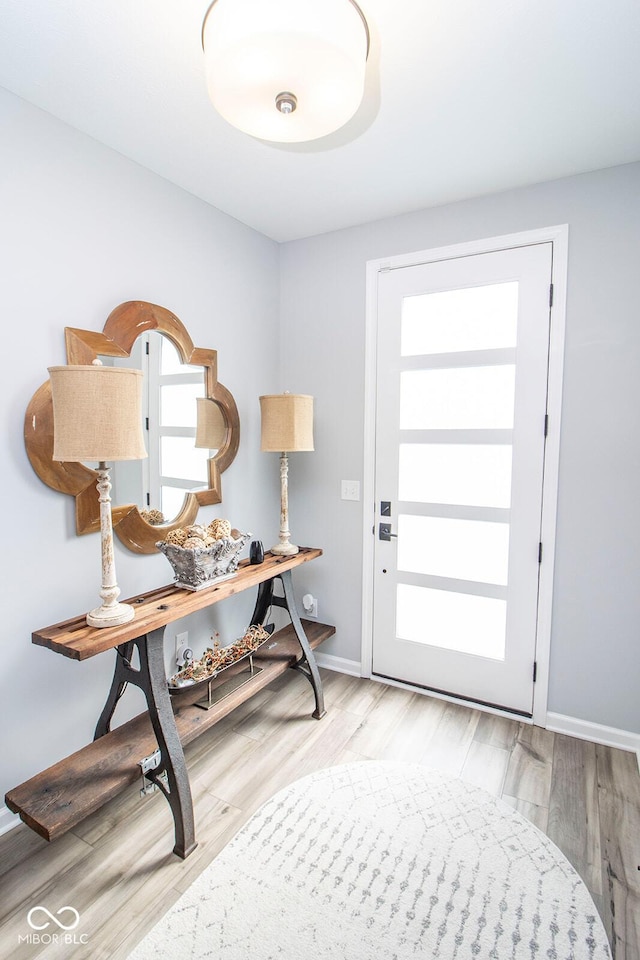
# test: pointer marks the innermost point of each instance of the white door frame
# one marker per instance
(558, 235)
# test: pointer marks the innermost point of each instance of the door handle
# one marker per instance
(384, 532)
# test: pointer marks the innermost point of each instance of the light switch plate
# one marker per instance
(350, 489)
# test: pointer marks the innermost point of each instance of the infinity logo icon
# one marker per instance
(59, 923)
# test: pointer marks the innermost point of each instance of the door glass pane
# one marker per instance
(178, 404)
(474, 318)
(461, 549)
(453, 621)
(460, 398)
(180, 458)
(476, 475)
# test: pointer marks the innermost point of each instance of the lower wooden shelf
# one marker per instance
(57, 799)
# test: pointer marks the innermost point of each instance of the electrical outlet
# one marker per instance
(182, 644)
(350, 490)
(310, 605)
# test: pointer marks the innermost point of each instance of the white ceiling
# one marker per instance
(463, 98)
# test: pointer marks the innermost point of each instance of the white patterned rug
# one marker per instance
(384, 861)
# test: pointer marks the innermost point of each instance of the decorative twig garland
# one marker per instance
(218, 658)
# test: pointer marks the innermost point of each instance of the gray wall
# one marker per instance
(81, 230)
(595, 661)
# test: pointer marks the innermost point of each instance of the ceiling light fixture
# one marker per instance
(285, 70)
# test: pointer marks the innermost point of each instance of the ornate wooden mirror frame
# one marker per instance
(124, 325)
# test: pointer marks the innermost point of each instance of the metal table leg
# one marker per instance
(121, 676)
(263, 601)
(152, 680)
(307, 665)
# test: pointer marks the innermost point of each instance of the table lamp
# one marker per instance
(97, 416)
(287, 427)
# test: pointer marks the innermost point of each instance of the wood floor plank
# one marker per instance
(411, 736)
(322, 749)
(378, 726)
(486, 766)
(347, 756)
(573, 808)
(538, 816)
(17, 845)
(145, 916)
(497, 731)
(448, 747)
(41, 867)
(619, 807)
(219, 822)
(295, 699)
(356, 695)
(300, 746)
(530, 767)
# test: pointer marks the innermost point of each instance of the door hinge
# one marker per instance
(148, 499)
(146, 423)
(535, 670)
(146, 348)
(550, 294)
(546, 424)
(540, 553)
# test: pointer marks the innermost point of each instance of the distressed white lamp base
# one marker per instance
(110, 613)
(111, 616)
(284, 548)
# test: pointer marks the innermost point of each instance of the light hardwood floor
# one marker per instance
(116, 868)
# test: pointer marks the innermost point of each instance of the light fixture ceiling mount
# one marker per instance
(286, 102)
(285, 70)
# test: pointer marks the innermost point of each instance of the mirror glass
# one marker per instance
(178, 459)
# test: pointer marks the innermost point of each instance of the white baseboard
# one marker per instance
(8, 820)
(339, 664)
(596, 732)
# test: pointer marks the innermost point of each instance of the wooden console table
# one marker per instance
(152, 743)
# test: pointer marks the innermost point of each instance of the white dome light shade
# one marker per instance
(313, 52)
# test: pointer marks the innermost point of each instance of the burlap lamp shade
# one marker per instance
(287, 422)
(97, 413)
(211, 427)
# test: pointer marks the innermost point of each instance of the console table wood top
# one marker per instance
(156, 608)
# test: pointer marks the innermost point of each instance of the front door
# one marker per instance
(462, 369)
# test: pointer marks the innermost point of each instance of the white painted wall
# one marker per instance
(81, 230)
(595, 663)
